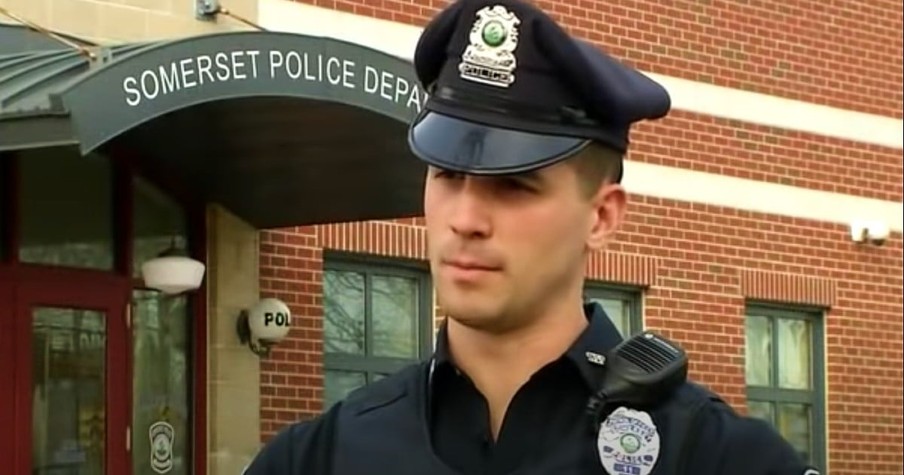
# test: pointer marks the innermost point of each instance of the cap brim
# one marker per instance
(468, 147)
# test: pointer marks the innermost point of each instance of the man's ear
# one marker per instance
(608, 206)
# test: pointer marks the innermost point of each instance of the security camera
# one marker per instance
(264, 325)
(870, 232)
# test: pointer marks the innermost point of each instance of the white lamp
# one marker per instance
(171, 273)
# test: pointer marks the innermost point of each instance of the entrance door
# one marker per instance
(72, 372)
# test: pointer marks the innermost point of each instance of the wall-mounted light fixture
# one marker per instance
(869, 232)
(264, 325)
(171, 272)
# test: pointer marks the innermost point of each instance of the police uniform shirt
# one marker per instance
(545, 414)
(545, 424)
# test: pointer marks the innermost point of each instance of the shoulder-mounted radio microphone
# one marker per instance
(640, 371)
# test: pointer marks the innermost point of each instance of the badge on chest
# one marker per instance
(628, 442)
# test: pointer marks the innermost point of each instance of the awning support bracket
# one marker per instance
(206, 10)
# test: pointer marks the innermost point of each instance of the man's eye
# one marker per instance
(512, 184)
(446, 175)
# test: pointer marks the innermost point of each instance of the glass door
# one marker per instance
(72, 375)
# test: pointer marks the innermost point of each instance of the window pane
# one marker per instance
(68, 391)
(759, 351)
(794, 354)
(618, 311)
(795, 425)
(343, 301)
(158, 222)
(66, 209)
(337, 385)
(395, 312)
(761, 410)
(160, 384)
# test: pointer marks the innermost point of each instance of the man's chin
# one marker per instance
(482, 325)
(468, 312)
(476, 302)
(476, 317)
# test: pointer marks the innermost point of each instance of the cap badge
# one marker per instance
(489, 58)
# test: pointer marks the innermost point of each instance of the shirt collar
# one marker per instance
(587, 352)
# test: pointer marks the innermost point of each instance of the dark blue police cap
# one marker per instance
(511, 91)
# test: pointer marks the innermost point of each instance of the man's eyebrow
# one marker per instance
(532, 176)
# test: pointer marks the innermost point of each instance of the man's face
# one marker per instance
(505, 250)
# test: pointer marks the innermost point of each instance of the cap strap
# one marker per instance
(563, 115)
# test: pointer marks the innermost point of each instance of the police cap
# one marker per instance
(510, 91)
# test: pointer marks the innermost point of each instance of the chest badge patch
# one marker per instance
(628, 443)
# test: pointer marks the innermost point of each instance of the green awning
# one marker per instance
(283, 129)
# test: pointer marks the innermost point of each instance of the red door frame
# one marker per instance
(8, 385)
(94, 291)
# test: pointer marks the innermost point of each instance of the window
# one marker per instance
(622, 306)
(161, 382)
(159, 224)
(784, 376)
(66, 209)
(377, 319)
(161, 333)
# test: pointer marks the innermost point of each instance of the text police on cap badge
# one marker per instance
(628, 443)
(490, 56)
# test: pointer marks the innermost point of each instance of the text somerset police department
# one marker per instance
(252, 64)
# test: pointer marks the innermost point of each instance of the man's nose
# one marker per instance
(471, 210)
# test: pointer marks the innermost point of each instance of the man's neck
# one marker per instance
(499, 364)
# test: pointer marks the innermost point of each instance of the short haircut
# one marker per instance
(596, 165)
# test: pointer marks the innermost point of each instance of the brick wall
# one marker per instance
(699, 263)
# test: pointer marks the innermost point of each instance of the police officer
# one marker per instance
(523, 135)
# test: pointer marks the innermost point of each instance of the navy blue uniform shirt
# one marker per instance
(545, 420)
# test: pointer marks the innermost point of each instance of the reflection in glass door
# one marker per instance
(68, 391)
(160, 385)
(72, 378)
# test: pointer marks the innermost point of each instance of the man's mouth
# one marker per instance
(471, 265)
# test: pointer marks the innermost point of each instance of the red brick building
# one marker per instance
(738, 239)
(275, 161)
